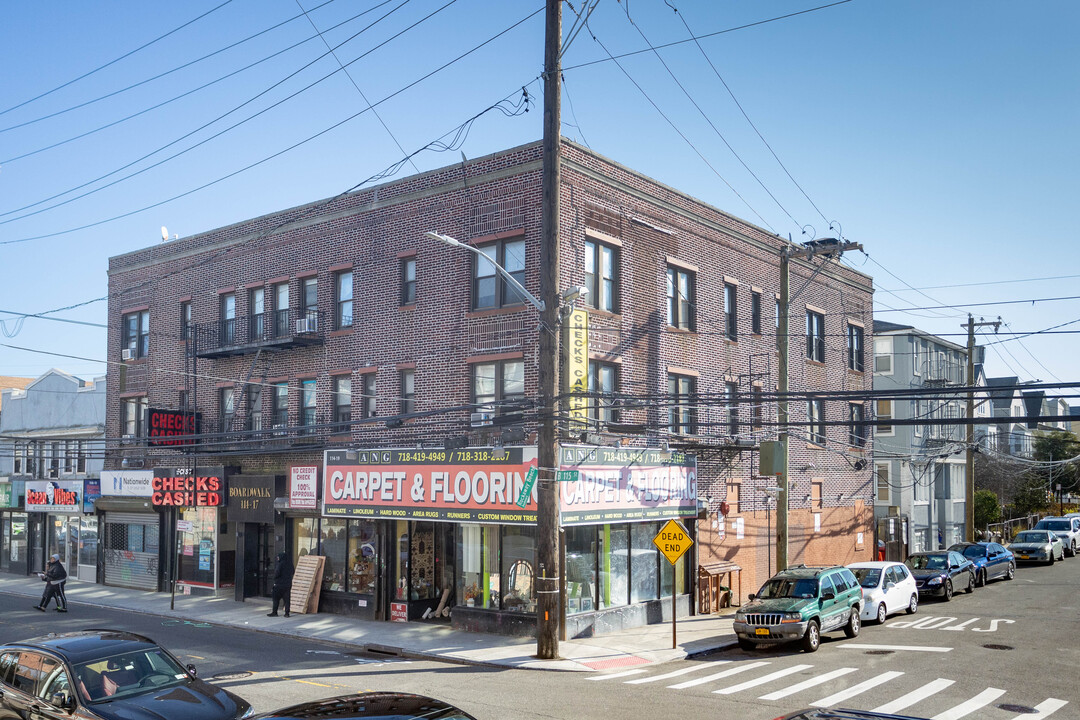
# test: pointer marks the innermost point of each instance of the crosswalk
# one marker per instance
(868, 687)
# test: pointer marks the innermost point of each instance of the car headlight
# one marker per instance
(790, 617)
(740, 616)
(934, 581)
(250, 712)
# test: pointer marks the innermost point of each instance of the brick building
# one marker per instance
(309, 337)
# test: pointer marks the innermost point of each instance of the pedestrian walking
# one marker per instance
(55, 577)
(283, 572)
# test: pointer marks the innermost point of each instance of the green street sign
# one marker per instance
(527, 488)
(568, 475)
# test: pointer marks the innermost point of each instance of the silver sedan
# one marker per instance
(1037, 546)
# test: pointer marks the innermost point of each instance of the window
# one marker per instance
(682, 415)
(815, 418)
(185, 320)
(680, 295)
(856, 425)
(883, 411)
(731, 324)
(731, 400)
(756, 405)
(310, 300)
(257, 311)
(54, 460)
(408, 280)
(69, 457)
(80, 460)
(601, 268)
(368, 390)
(489, 289)
(20, 459)
(855, 348)
(226, 408)
(308, 402)
(134, 415)
(603, 379)
(281, 310)
(882, 482)
(883, 355)
(254, 402)
(227, 320)
(281, 405)
(136, 338)
(343, 307)
(496, 383)
(755, 313)
(343, 401)
(815, 336)
(407, 379)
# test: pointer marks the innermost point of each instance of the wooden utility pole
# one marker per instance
(969, 440)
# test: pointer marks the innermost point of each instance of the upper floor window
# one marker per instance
(883, 355)
(855, 347)
(133, 413)
(257, 313)
(601, 275)
(80, 461)
(883, 409)
(136, 338)
(680, 296)
(756, 405)
(495, 383)
(343, 307)
(856, 425)
(815, 336)
(407, 380)
(883, 484)
(682, 414)
(19, 464)
(731, 318)
(308, 403)
(408, 280)
(343, 401)
(226, 408)
(254, 403)
(185, 320)
(815, 418)
(603, 380)
(489, 289)
(227, 320)
(281, 405)
(368, 402)
(731, 401)
(755, 313)
(281, 309)
(310, 302)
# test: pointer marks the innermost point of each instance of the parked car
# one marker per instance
(1037, 546)
(1066, 528)
(106, 675)
(991, 560)
(798, 604)
(842, 714)
(941, 572)
(370, 705)
(888, 587)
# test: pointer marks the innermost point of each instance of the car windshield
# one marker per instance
(867, 577)
(128, 674)
(974, 551)
(927, 562)
(1030, 537)
(1055, 525)
(788, 588)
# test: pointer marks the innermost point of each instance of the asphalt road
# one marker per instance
(1009, 644)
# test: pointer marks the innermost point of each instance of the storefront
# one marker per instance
(250, 512)
(62, 522)
(131, 542)
(14, 529)
(201, 551)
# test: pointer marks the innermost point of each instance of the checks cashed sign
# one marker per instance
(467, 485)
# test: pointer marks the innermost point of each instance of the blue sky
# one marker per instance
(941, 135)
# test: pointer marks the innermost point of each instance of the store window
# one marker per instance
(305, 537)
(614, 570)
(580, 569)
(363, 557)
(519, 569)
(198, 554)
(478, 557)
(333, 547)
(88, 540)
(423, 582)
(645, 562)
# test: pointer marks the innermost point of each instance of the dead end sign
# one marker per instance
(673, 541)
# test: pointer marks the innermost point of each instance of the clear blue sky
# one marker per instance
(941, 135)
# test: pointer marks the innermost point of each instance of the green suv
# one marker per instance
(798, 604)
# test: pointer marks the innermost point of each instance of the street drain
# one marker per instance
(992, 646)
(232, 675)
(880, 652)
(371, 653)
(1022, 709)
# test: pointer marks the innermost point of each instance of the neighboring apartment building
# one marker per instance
(920, 470)
(1014, 436)
(365, 394)
(51, 449)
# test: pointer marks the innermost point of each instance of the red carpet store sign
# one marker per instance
(466, 485)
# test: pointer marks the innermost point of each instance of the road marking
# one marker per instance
(857, 689)
(762, 680)
(906, 701)
(983, 699)
(675, 673)
(799, 687)
(741, 667)
(1045, 708)
(917, 648)
(612, 676)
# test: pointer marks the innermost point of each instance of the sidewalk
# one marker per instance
(638, 646)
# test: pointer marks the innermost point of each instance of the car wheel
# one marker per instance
(948, 590)
(913, 604)
(981, 579)
(854, 623)
(812, 639)
(882, 613)
(1051, 557)
(747, 645)
(971, 583)
(1072, 549)
(1011, 572)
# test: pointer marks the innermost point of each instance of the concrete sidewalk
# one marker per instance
(638, 646)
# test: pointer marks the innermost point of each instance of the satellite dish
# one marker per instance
(164, 233)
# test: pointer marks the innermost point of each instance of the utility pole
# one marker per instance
(830, 248)
(969, 463)
(548, 582)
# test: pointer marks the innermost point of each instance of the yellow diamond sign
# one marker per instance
(673, 541)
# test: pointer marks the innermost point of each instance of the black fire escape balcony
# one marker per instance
(278, 329)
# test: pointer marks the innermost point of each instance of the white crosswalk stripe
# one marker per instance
(677, 673)
(1045, 708)
(906, 701)
(741, 667)
(857, 689)
(612, 676)
(806, 684)
(762, 680)
(967, 707)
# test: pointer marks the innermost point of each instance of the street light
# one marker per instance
(453, 242)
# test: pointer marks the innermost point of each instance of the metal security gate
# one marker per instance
(132, 550)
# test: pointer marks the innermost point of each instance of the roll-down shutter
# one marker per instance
(131, 550)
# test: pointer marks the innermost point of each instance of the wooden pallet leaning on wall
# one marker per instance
(307, 584)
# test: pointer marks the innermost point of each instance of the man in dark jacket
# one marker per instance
(283, 572)
(54, 576)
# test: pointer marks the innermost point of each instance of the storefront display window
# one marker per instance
(363, 557)
(614, 570)
(305, 537)
(333, 548)
(422, 562)
(580, 569)
(644, 575)
(478, 557)
(57, 533)
(519, 568)
(401, 559)
(18, 537)
(680, 577)
(88, 540)
(199, 550)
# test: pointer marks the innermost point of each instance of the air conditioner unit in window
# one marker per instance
(127, 354)
(305, 325)
(480, 419)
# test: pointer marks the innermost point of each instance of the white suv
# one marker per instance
(1066, 528)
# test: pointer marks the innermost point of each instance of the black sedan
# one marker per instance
(941, 572)
(106, 675)
(370, 706)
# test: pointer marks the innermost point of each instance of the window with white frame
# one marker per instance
(755, 312)
(490, 290)
(368, 402)
(883, 485)
(496, 383)
(815, 419)
(856, 425)
(603, 380)
(133, 412)
(680, 298)
(136, 334)
(883, 411)
(601, 275)
(731, 317)
(883, 355)
(855, 347)
(815, 336)
(682, 415)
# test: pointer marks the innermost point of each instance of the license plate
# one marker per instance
(761, 631)
(1023, 557)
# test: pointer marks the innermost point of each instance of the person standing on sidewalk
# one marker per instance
(55, 576)
(283, 572)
